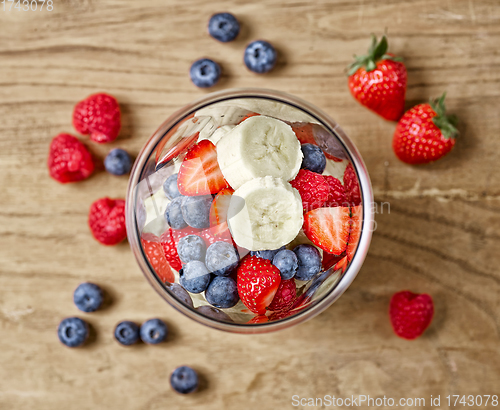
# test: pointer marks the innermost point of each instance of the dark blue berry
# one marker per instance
(222, 292)
(73, 331)
(214, 313)
(204, 73)
(153, 331)
(260, 56)
(221, 258)
(196, 209)
(269, 255)
(118, 162)
(223, 27)
(309, 260)
(180, 293)
(127, 333)
(286, 261)
(191, 248)
(184, 380)
(88, 297)
(173, 214)
(314, 159)
(195, 277)
(170, 187)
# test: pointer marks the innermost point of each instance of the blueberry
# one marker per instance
(127, 333)
(204, 73)
(260, 56)
(153, 331)
(196, 209)
(314, 159)
(214, 313)
(180, 293)
(269, 255)
(118, 162)
(286, 261)
(170, 187)
(195, 277)
(222, 292)
(309, 260)
(184, 380)
(223, 27)
(191, 248)
(173, 214)
(73, 331)
(88, 297)
(221, 258)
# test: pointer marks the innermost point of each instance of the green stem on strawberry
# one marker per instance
(376, 52)
(446, 123)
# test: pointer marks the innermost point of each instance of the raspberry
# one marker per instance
(313, 189)
(410, 314)
(285, 296)
(69, 160)
(351, 186)
(107, 220)
(170, 249)
(336, 195)
(156, 257)
(98, 115)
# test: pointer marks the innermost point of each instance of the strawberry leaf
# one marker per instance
(446, 123)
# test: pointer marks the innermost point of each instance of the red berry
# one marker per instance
(378, 81)
(285, 296)
(354, 231)
(351, 186)
(257, 280)
(69, 160)
(258, 319)
(156, 257)
(328, 228)
(341, 264)
(170, 249)
(219, 207)
(98, 115)
(336, 195)
(410, 314)
(313, 189)
(107, 220)
(330, 260)
(199, 173)
(425, 133)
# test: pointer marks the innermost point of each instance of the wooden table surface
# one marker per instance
(441, 235)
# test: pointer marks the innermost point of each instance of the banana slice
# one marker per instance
(259, 146)
(265, 213)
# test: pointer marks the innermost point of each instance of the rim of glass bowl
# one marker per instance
(366, 193)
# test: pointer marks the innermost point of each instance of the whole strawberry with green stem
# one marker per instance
(425, 133)
(378, 81)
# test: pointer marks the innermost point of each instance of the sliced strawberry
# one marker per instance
(351, 186)
(355, 230)
(285, 296)
(336, 195)
(342, 264)
(154, 252)
(170, 249)
(258, 319)
(200, 173)
(330, 260)
(218, 210)
(257, 280)
(328, 228)
(216, 234)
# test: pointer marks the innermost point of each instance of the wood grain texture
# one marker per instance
(441, 235)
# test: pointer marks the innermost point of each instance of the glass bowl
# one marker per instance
(213, 117)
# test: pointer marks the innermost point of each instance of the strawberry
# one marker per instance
(285, 296)
(330, 260)
(98, 115)
(170, 249)
(257, 280)
(154, 252)
(258, 319)
(107, 220)
(220, 204)
(425, 133)
(328, 228)
(351, 186)
(378, 81)
(410, 314)
(336, 195)
(69, 160)
(355, 231)
(341, 264)
(313, 189)
(199, 173)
